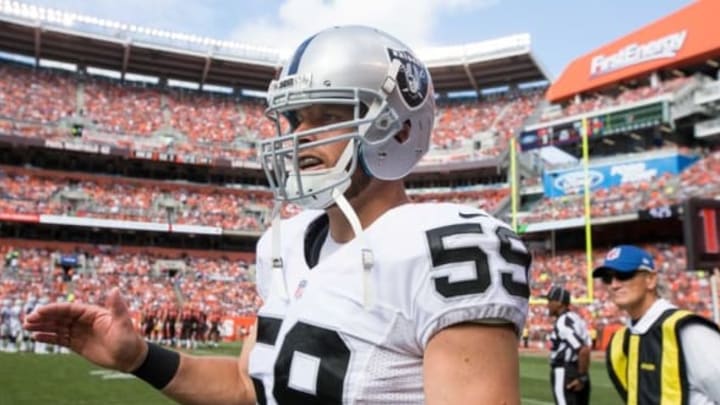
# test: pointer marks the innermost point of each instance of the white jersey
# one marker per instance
(15, 319)
(435, 265)
(4, 320)
(569, 334)
(29, 307)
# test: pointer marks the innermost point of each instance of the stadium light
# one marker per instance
(87, 22)
(66, 21)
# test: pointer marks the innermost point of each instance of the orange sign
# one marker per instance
(14, 217)
(685, 37)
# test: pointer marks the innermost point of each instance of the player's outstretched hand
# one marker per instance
(105, 336)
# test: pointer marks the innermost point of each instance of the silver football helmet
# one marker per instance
(388, 88)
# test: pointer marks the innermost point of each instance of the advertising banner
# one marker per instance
(684, 37)
(572, 181)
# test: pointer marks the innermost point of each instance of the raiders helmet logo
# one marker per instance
(412, 78)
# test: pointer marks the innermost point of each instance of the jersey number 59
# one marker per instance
(440, 255)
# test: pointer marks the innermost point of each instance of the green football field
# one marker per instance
(28, 379)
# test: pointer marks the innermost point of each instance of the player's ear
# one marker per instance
(651, 281)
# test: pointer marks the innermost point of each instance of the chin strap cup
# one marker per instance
(279, 282)
(367, 258)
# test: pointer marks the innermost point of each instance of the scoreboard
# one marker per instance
(616, 121)
(635, 118)
(701, 230)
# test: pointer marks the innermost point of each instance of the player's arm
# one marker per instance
(214, 380)
(472, 364)
(106, 336)
(701, 349)
(219, 380)
(573, 338)
(584, 360)
(579, 382)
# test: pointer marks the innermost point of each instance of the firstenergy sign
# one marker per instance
(633, 54)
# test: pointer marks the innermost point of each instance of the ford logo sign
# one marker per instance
(528, 138)
(574, 182)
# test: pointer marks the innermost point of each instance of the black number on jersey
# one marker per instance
(520, 258)
(475, 254)
(322, 345)
(267, 333)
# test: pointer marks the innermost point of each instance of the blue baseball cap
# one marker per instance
(625, 259)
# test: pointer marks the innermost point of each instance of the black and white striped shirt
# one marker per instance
(568, 336)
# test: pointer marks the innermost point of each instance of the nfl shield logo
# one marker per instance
(613, 254)
(300, 289)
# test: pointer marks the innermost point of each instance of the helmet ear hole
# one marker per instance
(404, 134)
(291, 118)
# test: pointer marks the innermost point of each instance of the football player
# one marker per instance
(28, 341)
(368, 298)
(570, 351)
(15, 327)
(5, 325)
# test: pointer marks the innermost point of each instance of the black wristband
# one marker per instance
(159, 366)
(583, 378)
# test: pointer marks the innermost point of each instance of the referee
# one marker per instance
(570, 352)
(665, 355)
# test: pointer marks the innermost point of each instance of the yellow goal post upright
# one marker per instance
(586, 198)
(514, 204)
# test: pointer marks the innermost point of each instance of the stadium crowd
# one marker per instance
(206, 125)
(489, 199)
(26, 191)
(36, 95)
(224, 287)
(144, 117)
(46, 192)
(121, 109)
(153, 282)
(45, 104)
(147, 279)
(690, 290)
(626, 96)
